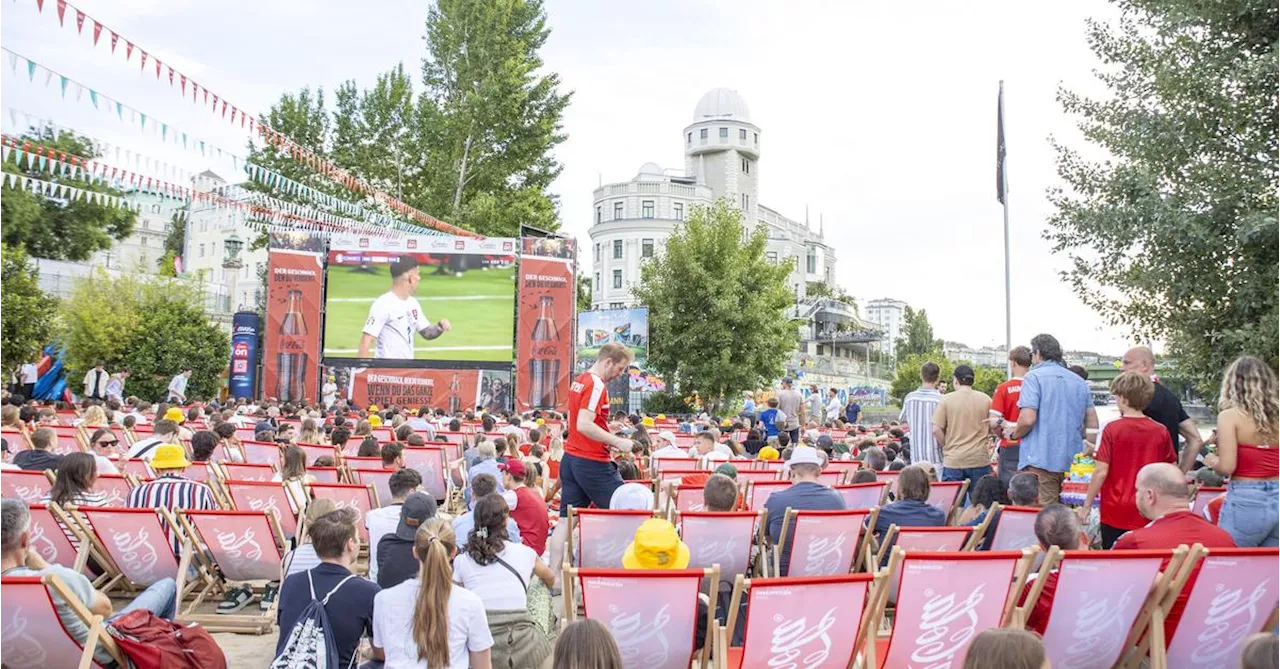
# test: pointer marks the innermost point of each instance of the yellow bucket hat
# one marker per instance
(662, 416)
(175, 414)
(375, 420)
(768, 453)
(656, 546)
(648, 422)
(170, 456)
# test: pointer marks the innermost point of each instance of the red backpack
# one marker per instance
(151, 642)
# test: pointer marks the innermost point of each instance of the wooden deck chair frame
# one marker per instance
(1021, 571)
(889, 540)
(84, 549)
(117, 578)
(709, 576)
(864, 643)
(94, 623)
(790, 519)
(1150, 614)
(260, 623)
(571, 538)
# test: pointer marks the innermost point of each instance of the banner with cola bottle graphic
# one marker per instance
(291, 345)
(547, 297)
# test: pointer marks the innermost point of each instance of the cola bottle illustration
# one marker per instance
(544, 368)
(291, 361)
(455, 395)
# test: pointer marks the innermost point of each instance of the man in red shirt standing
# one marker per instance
(587, 471)
(1163, 497)
(1004, 412)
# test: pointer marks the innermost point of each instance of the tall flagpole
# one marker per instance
(1002, 193)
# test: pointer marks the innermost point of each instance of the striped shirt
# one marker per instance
(917, 411)
(172, 493)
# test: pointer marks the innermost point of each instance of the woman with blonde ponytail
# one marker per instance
(1249, 453)
(429, 622)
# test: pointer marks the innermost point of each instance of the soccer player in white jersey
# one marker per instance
(396, 315)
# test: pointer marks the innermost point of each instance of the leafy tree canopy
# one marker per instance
(28, 313)
(917, 335)
(733, 332)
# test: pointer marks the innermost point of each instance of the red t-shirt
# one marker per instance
(588, 393)
(1170, 531)
(530, 515)
(1038, 618)
(1128, 444)
(1005, 401)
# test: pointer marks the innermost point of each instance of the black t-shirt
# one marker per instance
(1166, 409)
(37, 461)
(396, 563)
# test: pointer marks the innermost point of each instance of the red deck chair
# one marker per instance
(430, 463)
(944, 600)
(1203, 497)
(756, 475)
(602, 536)
(823, 543)
(668, 478)
(831, 478)
(198, 471)
(685, 441)
(17, 439)
(68, 440)
(116, 487)
(383, 434)
(362, 462)
(758, 493)
(1100, 597)
(325, 474)
(864, 495)
(362, 498)
(947, 495)
(847, 466)
(260, 452)
(891, 477)
(459, 438)
(1015, 528)
(920, 540)
(823, 621)
(658, 465)
(136, 544)
(51, 542)
(244, 471)
(33, 635)
(689, 498)
(244, 434)
(379, 478)
(722, 538)
(314, 451)
(1233, 595)
(136, 468)
(26, 486)
(655, 631)
(263, 496)
(770, 465)
(241, 546)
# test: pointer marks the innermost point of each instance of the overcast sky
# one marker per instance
(879, 117)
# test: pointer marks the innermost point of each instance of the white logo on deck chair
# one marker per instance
(631, 633)
(20, 649)
(240, 549)
(28, 493)
(936, 641)
(824, 555)
(139, 556)
(1095, 632)
(722, 551)
(1227, 604)
(42, 544)
(790, 637)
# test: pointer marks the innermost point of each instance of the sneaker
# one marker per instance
(234, 600)
(269, 596)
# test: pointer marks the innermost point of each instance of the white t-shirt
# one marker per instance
(145, 449)
(380, 522)
(494, 583)
(393, 613)
(329, 393)
(394, 321)
(30, 373)
(833, 408)
(179, 385)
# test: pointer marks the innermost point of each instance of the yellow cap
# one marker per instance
(170, 456)
(541, 421)
(648, 422)
(375, 420)
(768, 453)
(662, 416)
(373, 407)
(656, 546)
(175, 414)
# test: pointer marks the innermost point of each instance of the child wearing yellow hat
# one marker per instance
(656, 546)
(768, 453)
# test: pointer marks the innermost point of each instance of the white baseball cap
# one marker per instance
(631, 497)
(668, 436)
(805, 455)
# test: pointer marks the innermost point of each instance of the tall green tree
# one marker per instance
(1174, 233)
(152, 325)
(917, 335)
(55, 228)
(906, 377)
(489, 116)
(172, 245)
(584, 293)
(28, 313)
(732, 333)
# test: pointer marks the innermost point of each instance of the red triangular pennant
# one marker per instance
(97, 30)
(144, 58)
(62, 9)
(114, 38)
(206, 95)
(128, 50)
(157, 69)
(170, 75)
(224, 109)
(184, 83)
(39, 5)
(79, 21)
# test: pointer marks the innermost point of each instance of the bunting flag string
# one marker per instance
(298, 152)
(57, 191)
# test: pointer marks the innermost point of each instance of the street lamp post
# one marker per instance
(233, 264)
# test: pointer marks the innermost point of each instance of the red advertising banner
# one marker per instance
(544, 325)
(453, 390)
(291, 347)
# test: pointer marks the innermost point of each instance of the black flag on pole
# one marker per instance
(1002, 185)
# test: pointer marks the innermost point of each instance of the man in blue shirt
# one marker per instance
(770, 418)
(805, 494)
(1054, 411)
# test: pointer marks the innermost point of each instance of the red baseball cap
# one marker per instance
(513, 467)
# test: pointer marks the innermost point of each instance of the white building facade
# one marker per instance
(887, 314)
(141, 250)
(207, 231)
(633, 219)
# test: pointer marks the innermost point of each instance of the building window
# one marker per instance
(646, 209)
(689, 139)
(596, 286)
(742, 134)
(771, 256)
(746, 201)
(144, 240)
(597, 255)
(746, 166)
(599, 214)
(702, 134)
(646, 248)
(756, 137)
(724, 133)
(202, 250)
(617, 305)
(617, 210)
(811, 264)
(617, 278)
(617, 249)
(678, 211)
